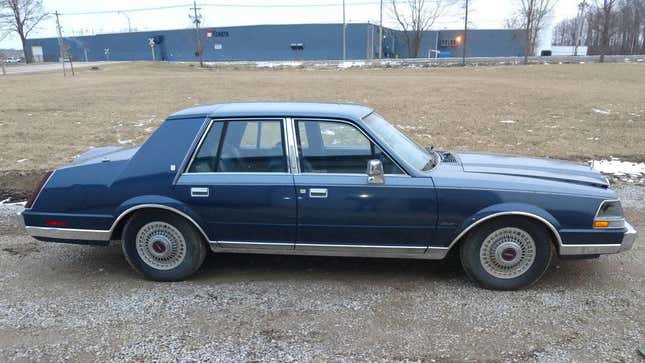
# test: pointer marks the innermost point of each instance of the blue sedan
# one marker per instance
(324, 179)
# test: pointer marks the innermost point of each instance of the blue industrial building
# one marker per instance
(277, 42)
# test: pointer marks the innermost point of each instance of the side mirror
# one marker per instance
(375, 174)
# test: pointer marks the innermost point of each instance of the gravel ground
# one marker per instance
(65, 302)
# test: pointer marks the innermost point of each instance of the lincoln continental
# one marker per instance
(324, 179)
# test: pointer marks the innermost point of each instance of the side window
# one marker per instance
(337, 147)
(242, 147)
(205, 160)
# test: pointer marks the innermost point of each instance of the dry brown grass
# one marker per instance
(47, 119)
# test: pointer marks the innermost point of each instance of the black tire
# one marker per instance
(187, 262)
(471, 248)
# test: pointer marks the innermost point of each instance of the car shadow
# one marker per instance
(238, 267)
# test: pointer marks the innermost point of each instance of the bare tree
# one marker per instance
(416, 17)
(531, 15)
(22, 16)
(606, 7)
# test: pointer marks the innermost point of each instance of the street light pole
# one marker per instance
(128, 18)
(380, 34)
(344, 34)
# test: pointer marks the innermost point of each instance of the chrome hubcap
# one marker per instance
(161, 246)
(507, 253)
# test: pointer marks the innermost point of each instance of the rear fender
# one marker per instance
(127, 208)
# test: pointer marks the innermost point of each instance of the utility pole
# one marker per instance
(60, 42)
(344, 34)
(463, 56)
(581, 13)
(198, 41)
(380, 34)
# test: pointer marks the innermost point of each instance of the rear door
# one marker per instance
(239, 182)
(338, 209)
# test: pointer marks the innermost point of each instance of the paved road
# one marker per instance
(47, 67)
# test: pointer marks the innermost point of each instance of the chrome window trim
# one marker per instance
(213, 120)
(292, 151)
(353, 124)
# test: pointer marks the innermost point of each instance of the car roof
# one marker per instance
(274, 109)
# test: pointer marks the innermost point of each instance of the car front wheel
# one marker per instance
(507, 254)
(163, 246)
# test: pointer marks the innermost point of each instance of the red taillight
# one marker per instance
(56, 223)
(39, 187)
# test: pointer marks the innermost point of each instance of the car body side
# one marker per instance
(94, 197)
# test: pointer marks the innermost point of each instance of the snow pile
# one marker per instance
(508, 121)
(622, 170)
(8, 208)
(602, 112)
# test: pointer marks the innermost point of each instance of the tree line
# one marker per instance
(606, 27)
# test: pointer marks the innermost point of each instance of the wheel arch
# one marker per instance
(178, 209)
(489, 214)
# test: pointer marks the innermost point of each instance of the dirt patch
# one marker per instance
(19, 184)
(577, 112)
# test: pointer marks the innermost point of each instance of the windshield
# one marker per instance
(410, 151)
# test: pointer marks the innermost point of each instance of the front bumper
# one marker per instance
(601, 249)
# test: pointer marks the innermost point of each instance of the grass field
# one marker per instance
(578, 112)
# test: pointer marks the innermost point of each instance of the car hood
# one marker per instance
(105, 154)
(564, 171)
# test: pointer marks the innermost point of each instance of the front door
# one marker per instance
(339, 210)
(239, 182)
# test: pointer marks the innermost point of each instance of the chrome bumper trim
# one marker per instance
(626, 244)
(69, 233)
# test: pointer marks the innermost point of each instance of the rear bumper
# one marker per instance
(601, 249)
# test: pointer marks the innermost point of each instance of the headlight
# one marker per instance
(609, 215)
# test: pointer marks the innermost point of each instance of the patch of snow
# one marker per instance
(508, 121)
(426, 135)
(149, 129)
(278, 64)
(21, 161)
(623, 170)
(600, 111)
(123, 142)
(328, 132)
(349, 64)
(8, 208)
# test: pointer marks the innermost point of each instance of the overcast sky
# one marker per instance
(484, 14)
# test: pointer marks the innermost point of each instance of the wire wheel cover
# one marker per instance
(161, 245)
(507, 253)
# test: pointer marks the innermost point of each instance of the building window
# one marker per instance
(448, 43)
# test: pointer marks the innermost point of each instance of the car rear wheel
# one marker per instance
(507, 254)
(163, 246)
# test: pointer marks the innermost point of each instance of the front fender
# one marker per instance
(508, 209)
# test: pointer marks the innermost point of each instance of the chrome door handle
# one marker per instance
(317, 192)
(199, 192)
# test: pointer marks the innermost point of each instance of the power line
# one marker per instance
(230, 5)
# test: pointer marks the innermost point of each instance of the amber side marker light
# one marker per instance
(600, 224)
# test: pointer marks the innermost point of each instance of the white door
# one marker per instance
(37, 53)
